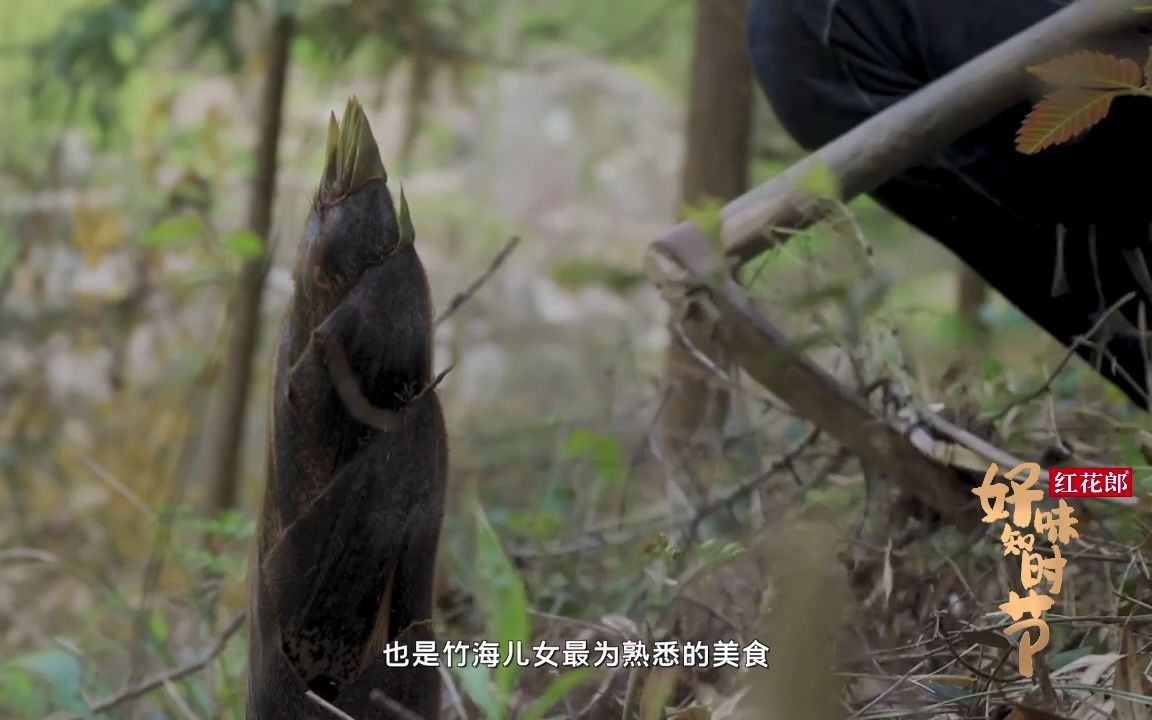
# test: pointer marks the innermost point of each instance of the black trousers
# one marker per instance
(1062, 234)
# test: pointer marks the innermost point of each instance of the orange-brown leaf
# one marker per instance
(1090, 70)
(1061, 116)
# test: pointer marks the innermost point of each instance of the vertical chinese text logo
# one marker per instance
(1018, 538)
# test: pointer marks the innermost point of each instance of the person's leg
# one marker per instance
(1050, 273)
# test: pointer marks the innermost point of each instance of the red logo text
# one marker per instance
(1090, 482)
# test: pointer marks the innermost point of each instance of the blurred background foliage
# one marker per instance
(126, 153)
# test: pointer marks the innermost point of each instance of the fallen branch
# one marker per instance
(161, 679)
(771, 359)
(462, 297)
(964, 450)
(713, 309)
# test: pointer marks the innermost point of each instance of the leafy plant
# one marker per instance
(91, 56)
(173, 230)
(42, 681)
(820, 181)
(503, 601)
(1086, 84)
(603, 451)
(579, 273)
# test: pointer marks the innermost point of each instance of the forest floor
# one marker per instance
(110, 573)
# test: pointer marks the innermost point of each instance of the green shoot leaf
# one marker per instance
(174, 230)
(503, 601)
(244, 244)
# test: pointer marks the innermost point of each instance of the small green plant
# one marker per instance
(38, 683)
(601, 450)
(583, 272)
(503, 601)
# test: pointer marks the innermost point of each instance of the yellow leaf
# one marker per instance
(1090, 71)
(1061, 116)
(657, 693)
(256, 63)
(210, 139)
(706, 216)
(95, 232)
(820, 181)
(159, 110)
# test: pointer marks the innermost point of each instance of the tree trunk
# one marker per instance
(695, 403)
(242, 341)
(720, 115)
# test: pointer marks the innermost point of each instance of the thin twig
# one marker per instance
(742, 489)
(112, 481)
(595, 627)
(328, 706)
(463, 297)
(378, 696)
(1078, 341)
(596, 541)
(987, 451)
(600, 694)
(180, 703)
(1103, 619)
(160, 679)
(934, 647)
(889, 690)
(453, 692)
